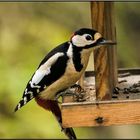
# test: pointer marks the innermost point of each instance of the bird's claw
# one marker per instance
(67, 92)
(78, 88)
(78, 93)
(80, 97)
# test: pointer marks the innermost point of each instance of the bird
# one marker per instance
(60, 69)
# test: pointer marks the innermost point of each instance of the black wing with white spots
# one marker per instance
(50, 69)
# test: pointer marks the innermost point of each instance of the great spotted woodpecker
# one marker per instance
(61, 69)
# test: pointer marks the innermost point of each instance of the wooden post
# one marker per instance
(102, 15)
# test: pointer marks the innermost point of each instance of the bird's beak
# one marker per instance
(106, 42)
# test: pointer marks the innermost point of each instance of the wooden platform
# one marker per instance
(123, 108)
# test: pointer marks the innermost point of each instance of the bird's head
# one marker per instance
(88, 38)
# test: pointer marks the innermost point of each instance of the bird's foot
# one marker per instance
(78, 93)
(66, 92)
(80, 96)
(78, 88)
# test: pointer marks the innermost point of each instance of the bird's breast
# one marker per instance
(69, 78)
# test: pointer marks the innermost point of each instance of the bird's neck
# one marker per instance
(80, 57)
(85, 54)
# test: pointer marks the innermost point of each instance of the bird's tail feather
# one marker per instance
(55, 109)
(24, 101)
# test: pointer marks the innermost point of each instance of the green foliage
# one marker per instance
(127, 27)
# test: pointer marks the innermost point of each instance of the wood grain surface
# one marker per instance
(104, 113)
(105, 62)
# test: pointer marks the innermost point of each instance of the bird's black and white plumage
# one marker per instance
(60, 69)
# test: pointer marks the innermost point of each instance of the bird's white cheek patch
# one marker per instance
(80, 41)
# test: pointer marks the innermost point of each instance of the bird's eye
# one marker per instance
(88, 37)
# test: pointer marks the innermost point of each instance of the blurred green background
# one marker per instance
(27, 32)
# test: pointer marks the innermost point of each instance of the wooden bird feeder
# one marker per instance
(104, 104)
